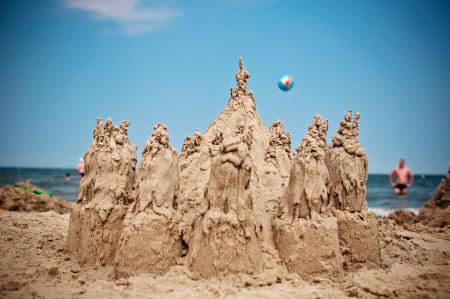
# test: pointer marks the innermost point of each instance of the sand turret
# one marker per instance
(348, 167)
(105, 192)
(306, 232)
(279, 150)
(147, 243)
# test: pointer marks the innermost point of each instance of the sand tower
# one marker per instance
(105, 192)
(306, 232)
(229, 191)
(147, 243)
(348, 168)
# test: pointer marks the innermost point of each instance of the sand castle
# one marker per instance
(236, 201)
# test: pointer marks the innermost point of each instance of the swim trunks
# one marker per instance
(401, 186)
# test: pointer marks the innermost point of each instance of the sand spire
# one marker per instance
(105, 192)
(347, 164)
(147, 243)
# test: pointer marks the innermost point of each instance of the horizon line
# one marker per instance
(73, 168)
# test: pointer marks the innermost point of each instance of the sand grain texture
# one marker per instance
(34, 264)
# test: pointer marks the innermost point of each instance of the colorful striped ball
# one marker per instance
(286, 83)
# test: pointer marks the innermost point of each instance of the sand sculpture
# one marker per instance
(236, 201)
(226, 236)
(191, 144)
(265, 182)
(279, 150)
(347, 164)
(105, 192)
(147, 243)
(305, 232)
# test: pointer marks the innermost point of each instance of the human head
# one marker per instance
(401, 163)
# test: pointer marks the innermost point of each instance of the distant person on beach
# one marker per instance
(403, 178)
(80, 167)
(68, 177)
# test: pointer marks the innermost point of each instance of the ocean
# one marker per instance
(380, 197)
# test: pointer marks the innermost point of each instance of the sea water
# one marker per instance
(380, 196)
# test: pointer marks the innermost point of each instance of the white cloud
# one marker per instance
(132, 17)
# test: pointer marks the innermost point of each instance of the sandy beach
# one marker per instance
(34, 264)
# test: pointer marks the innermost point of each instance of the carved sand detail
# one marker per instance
(306, 194)
(226, 235)
(191, 144)
(236, 201)
(147, 242)
(306, 234)
(105, 192)
(279, 150)
(266, 182)
(348, 166)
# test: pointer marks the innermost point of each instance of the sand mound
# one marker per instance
(25, 197)
(436, 211)
(402, 217)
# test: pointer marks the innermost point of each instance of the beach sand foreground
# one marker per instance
(34, 264)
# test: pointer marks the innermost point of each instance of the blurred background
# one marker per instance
(65, 62)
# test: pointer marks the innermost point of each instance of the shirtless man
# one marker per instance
(404, 178)
(80, 167)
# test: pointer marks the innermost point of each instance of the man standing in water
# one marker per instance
(404, 178)
(80, 167)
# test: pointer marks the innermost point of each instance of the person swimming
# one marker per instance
(67, 177)
(404, 178)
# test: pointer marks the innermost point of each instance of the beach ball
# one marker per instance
(286, 83)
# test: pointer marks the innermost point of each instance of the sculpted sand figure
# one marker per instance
(157, 179)
(227, 190)
(105, 191)
(306, 194)
(147, 242)
(306, 232)
(241, 90)
(266, 185)
(191, 144)
(226, 234)
(348, 166)
(279, 141)
(216, 143)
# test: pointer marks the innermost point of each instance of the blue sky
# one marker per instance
(65, 62)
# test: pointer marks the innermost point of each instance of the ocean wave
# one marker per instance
(384, 212)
